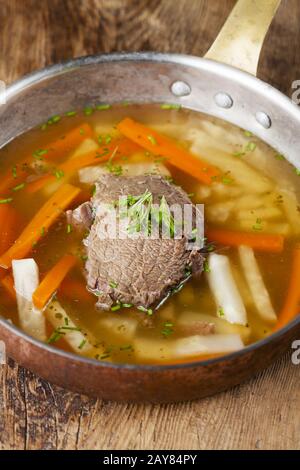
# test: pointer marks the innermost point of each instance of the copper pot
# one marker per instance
(205, 85)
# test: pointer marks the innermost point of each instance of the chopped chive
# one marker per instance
(221, 312)
(71, 113)
(56, 118)
(238, 154)
(152, 139)
(113, 284)
(116, 307)
(43, 127)
(170, 106)
(250, 147)
(83, 342)
(257, 226)
(66, 320)
(43, 231)
(69, 228)
(100, 139)
(127, 305)
(14, 171)
(149, 311)
(297, 171)
(88, 110)
(279, 156)
(206, 267)
(39, 153)
(6, 201)
(126, 348)
(83, 257)
(18, 187)
(248, 134)
(108, 139)
(59, 174)
(104, 356)
(102, 107)
(227, 180)
(81, 131)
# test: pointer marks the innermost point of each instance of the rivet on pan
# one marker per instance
(263, 119)
(180, 88)
(223, 100)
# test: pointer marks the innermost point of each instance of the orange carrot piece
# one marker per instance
(41, 222)
(162, 145)
(52, 280)
(257, 241)
(291, 307)
(73, 289)
(54, 150)
(117, 148)
(8, 284)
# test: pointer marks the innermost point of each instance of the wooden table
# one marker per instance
(261, 414)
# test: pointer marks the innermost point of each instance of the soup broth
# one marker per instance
(254, 202)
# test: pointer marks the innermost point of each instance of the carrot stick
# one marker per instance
(72, 289)
(291, 307)
(8, 283)
(10, 226)
(41, 222)
(117, 148)
(257, 241)
(54, 150)
(162, 145)
(52, 280)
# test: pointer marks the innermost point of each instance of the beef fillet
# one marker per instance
(140, 271)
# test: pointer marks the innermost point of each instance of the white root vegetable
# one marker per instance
(256, 284)
(88, 145)
(149, 350)
(83, 344)
(211, 344)
(266, 226)
(229, 302)
(123, 328)
(264, 213)
(220, 211)
(26, 280)
(222, 327)
(242, 173)
(91, 174)
(290, 204)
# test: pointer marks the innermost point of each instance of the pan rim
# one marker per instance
(51, 71)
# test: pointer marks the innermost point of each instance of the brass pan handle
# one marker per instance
(240, 40)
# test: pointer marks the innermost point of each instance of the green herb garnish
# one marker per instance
(38, 154)
(71, 113)
(115, 308)
(83, 342)
(88, 110)
(152, 139)
(221, 312)
(113, 284)
(6, 201)
(102, 107)
(170, 106)
(69, 228)
(18, 187)
(206, 267)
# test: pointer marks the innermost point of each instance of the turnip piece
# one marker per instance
(229, 302)
(79, 341)
(26, 280)
(187, 320)
(256, 284)
(210, 344)
(123, 328)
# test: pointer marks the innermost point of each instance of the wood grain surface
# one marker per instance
(261, 414)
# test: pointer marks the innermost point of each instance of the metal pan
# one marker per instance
(223, 84)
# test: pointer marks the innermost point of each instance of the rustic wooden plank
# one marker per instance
(263, 413)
